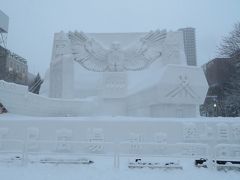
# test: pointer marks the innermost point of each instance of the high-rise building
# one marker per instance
(190, 45)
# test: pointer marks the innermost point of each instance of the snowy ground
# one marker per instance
(103, 169)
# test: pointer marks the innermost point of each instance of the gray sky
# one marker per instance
(33, 22)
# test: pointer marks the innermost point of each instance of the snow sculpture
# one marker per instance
(63, 136)
(225, 151)
(32, 138)
(96, 137)
(113, 85)
(223, 132)
(194, 150)
(161, 137)
(3, 133)
(190, 132)
(114, 74)
(161, 140)
(94, 57)
(222, 151)
(61, 69)
(183, 89)
(135, 140)
(207, 133)
(121, 135)
(236, 132)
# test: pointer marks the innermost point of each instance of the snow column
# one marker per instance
(61, 69)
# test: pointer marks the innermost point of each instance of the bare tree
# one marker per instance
(231, 44)
(35, 86)
(230, 47)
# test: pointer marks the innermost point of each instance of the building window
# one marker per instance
(18, 69)
(11, 64)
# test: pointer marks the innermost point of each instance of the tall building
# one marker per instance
(190, 45)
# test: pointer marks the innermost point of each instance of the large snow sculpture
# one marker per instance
(114, 74)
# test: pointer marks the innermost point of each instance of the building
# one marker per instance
(218, 73)
(190, 45)
(13, 68)
(4, 20)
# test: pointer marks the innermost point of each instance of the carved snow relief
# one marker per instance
(135, 140)
(161, 141)
(63, 136)
(32, 139)
(223, 133)
(183, 89)
(190, 132)
(161, 137)
(96, 139)
(94, 57)
(3, 134)
(228, 151)
(236, 132)
(199, 150)
(114, 85)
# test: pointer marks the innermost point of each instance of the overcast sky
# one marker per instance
(33, 22)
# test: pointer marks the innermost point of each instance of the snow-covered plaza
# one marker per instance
(103, 170)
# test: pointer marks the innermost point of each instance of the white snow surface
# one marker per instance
(103, 167)
(103, 170)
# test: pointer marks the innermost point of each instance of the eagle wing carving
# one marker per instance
(94, 57)
(89, 53)
(145, 51)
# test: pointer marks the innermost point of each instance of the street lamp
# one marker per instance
(215, 109)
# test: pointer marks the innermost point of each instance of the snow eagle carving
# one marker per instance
(94, 57)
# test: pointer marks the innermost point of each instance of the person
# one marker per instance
(2, 109)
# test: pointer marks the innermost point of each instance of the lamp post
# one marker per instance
(215, 109)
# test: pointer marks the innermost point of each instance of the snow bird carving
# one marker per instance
(139, 55)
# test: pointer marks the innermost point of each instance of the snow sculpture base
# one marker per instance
(176, 93)
(211, 138)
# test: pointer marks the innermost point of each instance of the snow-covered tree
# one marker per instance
(230, 47)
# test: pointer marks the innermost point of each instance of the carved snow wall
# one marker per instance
(163, 137)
